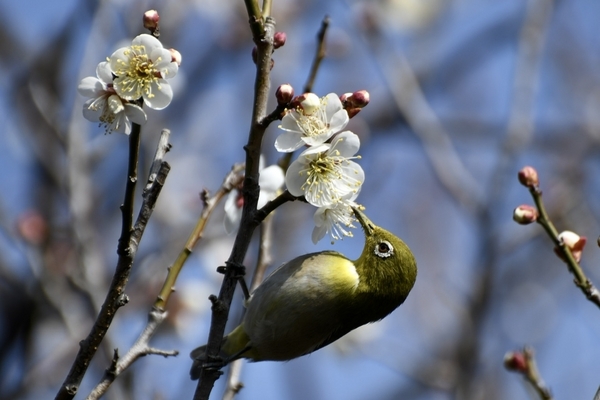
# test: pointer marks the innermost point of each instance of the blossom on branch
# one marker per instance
(335, 220)
(312, 123)
(105, 106)
(326, 174)
(141, 71)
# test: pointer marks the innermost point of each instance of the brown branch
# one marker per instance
(221, 304)
(234, 384)
(581, 280)
(127, 249)
(231, 181)
(141, 348)
(157, 314)
(319, 56)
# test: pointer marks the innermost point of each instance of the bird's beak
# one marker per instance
(366, 223)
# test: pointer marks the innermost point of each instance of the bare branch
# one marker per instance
(127, 249)
(220, 309)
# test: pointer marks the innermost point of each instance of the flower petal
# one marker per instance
(93, 112)
(295, 178)
(162, 94)
(135, 114)
(347, 143)
(90, 87)
(288, 142)
(289, 122)
(271, 178)
(104, 73)
(148, 41)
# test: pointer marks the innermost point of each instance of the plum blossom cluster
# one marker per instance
(325, 173)
(131, 76)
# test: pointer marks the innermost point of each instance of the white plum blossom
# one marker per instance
(105, 106)
(141, 71)
(334, 220)
(312, 124)
(326, 174)
(271, 181)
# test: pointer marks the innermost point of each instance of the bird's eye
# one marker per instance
(384, 249)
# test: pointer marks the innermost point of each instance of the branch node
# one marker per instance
(122, 300)
(218, 306)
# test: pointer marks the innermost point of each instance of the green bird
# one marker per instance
(315, 299)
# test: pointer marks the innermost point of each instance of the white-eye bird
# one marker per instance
(315, 299)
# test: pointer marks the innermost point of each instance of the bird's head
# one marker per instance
(386, 262)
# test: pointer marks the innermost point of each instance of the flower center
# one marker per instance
(136, 74)
(311, 125)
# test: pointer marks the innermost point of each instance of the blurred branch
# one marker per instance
(523, 363)
(126, 250)
(231, 181)
(319, 56)
(412, 103)
(234, 383)
(519, 131)
(221, 304)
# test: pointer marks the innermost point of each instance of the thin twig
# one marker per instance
(157, 314)
(161, 149)
(141, 348)
(581, 280)
(115, 298)
(231, 181)
(319, 56)
(523, 363)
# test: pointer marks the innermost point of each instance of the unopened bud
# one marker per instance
(515, 361)
(254, 54)
(528, 177)
(279, 39)
(525, 214)
(309, 102)
(151, 19)
(33, 227)
(574, 242)
(284, 94)
(175, 57)
(344, 98)
(360, 98)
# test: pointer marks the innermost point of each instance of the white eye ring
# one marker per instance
(384, 249)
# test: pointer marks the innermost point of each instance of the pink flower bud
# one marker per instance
(360, 98)
(344, 98)
(175, 57)
(284, 93)
(574, 242)
(515, 361)
(279, 39)
(525, 214)
(528, 177)
(151, 19)
(33, 227)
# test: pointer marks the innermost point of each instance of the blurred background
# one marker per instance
(463, 94)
